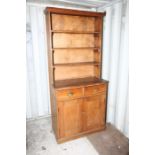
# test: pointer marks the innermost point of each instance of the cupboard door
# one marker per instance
(94, 112)
(69, 117)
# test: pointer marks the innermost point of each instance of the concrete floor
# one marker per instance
(41, 141)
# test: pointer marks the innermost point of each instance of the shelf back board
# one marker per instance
(73, 40)
(72, 23)
(74, 72)
(68, 55)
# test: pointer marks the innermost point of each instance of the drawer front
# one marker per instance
(90, 90)
(69, 93)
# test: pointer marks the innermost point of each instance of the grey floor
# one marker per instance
(41, 141)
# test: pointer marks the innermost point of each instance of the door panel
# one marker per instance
(69, 117)
(94, 112)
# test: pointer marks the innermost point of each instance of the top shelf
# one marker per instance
(74, 32)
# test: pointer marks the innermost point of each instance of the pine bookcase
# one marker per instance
(78, 95)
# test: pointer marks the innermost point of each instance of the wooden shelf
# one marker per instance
(76, 64)
(77, 82)
(61, 48)
(76, 32)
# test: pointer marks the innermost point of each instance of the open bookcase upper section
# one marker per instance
(74, 44)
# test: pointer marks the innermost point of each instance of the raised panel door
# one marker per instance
(69, 117)
(94, 112)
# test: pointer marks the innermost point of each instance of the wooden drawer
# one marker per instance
(69, 93)
(90, 90)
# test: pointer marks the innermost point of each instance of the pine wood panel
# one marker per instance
(94, 111)
(76, 40)
(69, 116)
(72, 23)
(73, 72)
(68, 55)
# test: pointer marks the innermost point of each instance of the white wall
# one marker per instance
(115, 64)
(37, 73)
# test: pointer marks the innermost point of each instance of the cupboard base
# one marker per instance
(82, 134)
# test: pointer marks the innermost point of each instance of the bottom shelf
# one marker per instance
(77, 82)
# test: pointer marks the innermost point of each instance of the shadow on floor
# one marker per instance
(109, 142)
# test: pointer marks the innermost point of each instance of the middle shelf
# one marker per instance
(75, 32)
(76, 64)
